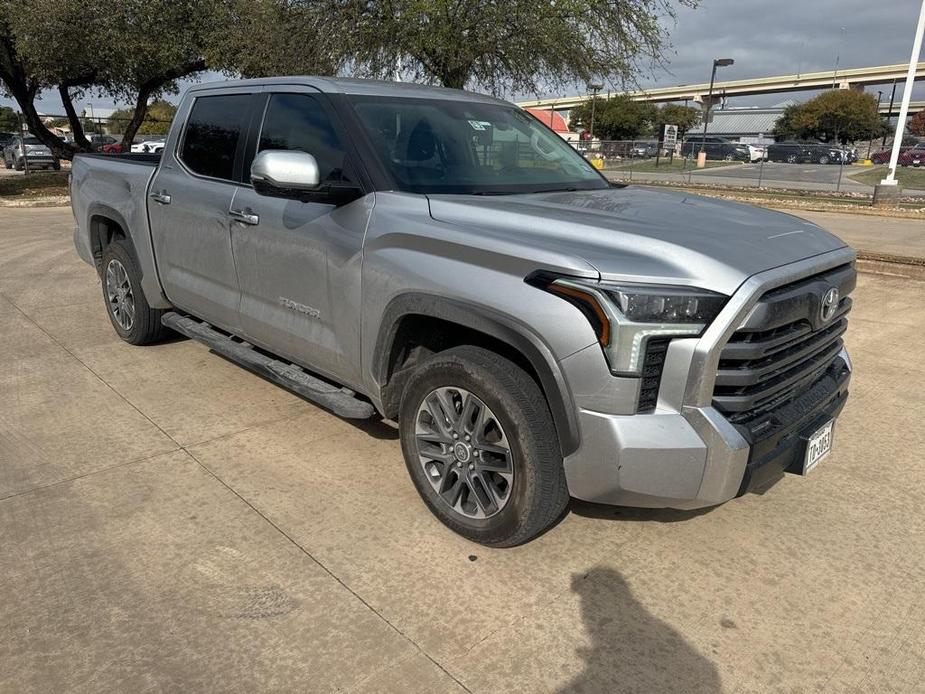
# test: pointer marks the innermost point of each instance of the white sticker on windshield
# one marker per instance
(479, 124)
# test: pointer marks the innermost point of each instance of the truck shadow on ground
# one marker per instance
(630, 649)
(587, 509)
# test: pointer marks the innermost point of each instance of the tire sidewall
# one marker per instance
(117, 251)
(452, 371)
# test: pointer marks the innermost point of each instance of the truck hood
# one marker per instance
(644, 235)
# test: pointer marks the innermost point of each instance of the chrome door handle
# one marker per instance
(162, 197)
(244, 216)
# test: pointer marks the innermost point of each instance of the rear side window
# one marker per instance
(298, 121)
(213, 133)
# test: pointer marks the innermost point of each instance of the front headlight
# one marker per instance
(626, 316)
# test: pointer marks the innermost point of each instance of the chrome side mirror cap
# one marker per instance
(278, 172)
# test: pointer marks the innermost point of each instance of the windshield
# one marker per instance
(445, 146)
(31, 141)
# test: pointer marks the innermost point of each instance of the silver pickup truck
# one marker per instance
(442, 259)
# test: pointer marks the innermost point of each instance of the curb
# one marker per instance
(891, 265)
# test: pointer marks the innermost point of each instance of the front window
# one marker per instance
(474, 148)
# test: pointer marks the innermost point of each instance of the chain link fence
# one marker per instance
(799, 167)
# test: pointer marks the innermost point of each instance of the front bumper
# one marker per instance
(687, 454)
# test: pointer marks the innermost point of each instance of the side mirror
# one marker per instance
(284, 173)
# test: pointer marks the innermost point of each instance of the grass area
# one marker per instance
(677, 165)
(908, 176)
(34, 185)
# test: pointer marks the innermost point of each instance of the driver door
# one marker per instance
(298, 263)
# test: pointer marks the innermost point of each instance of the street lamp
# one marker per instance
(718, 62)
(594, 88)
(841, 36)
(871, 143)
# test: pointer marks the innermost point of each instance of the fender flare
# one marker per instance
(500, 326)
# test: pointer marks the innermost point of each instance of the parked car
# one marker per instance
(806, 153)
(29, 148)
(913, 156)
(113, 148)
(757, 152)
(443, 259)
(150, 145)
(715, 148)
(644, 149)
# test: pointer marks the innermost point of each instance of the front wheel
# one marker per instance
(19, 164)
(481, 448)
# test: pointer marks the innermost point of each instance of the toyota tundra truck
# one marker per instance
(442, 259)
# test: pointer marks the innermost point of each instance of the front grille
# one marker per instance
(784, 347)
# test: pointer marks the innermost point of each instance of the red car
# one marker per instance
(113, 148)
(907, 155)
(914, 156)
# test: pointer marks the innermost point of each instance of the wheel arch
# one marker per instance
(410, 316)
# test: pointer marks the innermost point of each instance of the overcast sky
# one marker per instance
(765, 38)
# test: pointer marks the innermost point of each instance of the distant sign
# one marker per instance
(669, 135)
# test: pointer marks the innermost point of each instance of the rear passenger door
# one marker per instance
(190, 197)
(298, 263)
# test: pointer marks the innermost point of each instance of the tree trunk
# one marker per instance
(77, 127)
(138, 117)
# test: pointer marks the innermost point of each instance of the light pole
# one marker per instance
(844, 32)
(888, 190)
(594, 88)
(889, 112)
(871, 143)
(718, 62)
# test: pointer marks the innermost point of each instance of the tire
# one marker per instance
(516, 416)
(823, 160)
(19, 165)
(56, 166)
(729, 157)
(792, 159)
(142, 324)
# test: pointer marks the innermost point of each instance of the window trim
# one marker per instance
(181, 140)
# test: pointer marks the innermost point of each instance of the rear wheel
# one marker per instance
(481, 448)
(823, 160)
(792, 159)
(131, 316)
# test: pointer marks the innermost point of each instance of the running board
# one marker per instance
(341, 401)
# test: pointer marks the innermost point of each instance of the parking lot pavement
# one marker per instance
(171, 522)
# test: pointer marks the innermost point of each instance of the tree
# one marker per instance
(511, 46)
(616, 118)
(156, 122)
(685, 117)
(9, 121)
(133, 50)
(917, 124)
(840, 115)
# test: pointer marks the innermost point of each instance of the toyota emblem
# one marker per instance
(829, 305)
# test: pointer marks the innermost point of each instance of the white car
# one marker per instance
(757, 153)
(155, 146)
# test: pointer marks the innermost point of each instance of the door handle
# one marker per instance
(245, 216)
(162, 197)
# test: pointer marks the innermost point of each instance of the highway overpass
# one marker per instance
(846, 79)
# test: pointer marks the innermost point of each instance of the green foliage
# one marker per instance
(9, 122)
(685, 117)
(156, 122)
(917, 124)
(516, 45)
(841, 115)
(616, 118)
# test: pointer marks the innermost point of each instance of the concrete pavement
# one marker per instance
(171, 522)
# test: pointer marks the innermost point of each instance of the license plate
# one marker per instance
(818, 447)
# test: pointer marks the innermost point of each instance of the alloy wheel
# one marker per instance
(464, 452)
(119, 293)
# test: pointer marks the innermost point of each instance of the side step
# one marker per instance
(341, 401)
